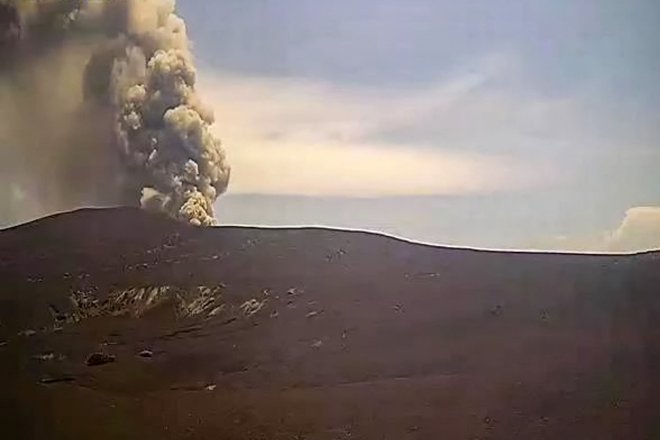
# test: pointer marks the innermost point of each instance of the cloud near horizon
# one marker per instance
(638, 231)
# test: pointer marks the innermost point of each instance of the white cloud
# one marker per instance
(592, 242)
(332, 168)
(639, 230)
(296, 136)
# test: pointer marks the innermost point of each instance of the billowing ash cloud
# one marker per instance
(126, 68)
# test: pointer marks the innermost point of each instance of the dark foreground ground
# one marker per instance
(317, 334)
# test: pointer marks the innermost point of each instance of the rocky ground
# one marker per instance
(120, 324)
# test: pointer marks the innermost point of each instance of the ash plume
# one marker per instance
(99, 107)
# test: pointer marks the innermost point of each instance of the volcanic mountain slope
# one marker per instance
(246, 333)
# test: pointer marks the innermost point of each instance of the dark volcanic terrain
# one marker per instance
(246, 333)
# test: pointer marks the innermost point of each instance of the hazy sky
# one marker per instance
(490, 123)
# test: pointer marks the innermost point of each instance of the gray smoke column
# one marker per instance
(137, 78)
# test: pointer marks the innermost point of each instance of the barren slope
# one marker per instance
(317, 334)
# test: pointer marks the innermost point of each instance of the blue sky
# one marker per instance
(484, 123)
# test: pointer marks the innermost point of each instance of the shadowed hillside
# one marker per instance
(247, 333)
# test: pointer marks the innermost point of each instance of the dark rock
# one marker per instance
(497, 310)
(52, 380)
(99, 358)
(57, 314)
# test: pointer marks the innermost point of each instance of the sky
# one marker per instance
(493, 123)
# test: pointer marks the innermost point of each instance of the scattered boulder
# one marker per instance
(252, 306)
(44, 356)
(217, 310)
(99, 358)
(496, 310)
(146, 353)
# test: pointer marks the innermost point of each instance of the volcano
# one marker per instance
(119, 323)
